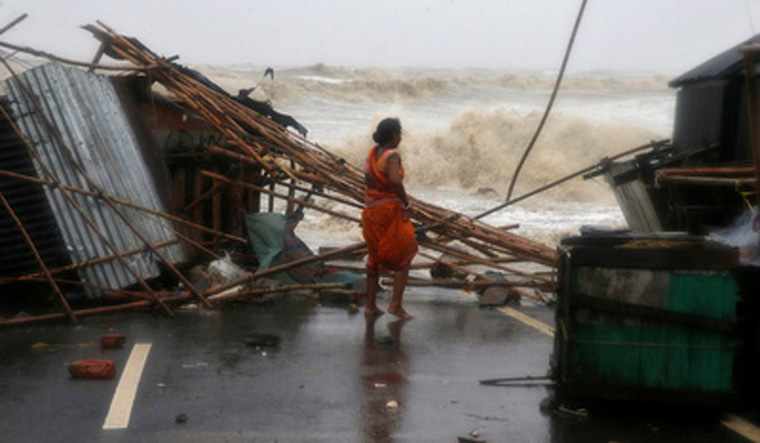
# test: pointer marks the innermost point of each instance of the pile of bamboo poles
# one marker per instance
(288, 160)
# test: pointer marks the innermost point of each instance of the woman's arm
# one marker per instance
(394, 175)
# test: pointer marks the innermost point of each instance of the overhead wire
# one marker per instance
(551, 101)
(749, 16)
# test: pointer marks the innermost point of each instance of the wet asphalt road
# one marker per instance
(330, 379)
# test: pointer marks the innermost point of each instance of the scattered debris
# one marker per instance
(194, 152)
(494, 296)
(112, 340)
(262, 340)
(92, 369)
(579, 412)
(393, 404)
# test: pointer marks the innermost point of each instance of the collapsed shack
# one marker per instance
(113, 191)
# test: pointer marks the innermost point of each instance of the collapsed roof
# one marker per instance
(114, 208)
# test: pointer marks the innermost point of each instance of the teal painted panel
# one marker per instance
(712, 295)
(669, 357)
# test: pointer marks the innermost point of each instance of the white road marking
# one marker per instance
(124, 397)
(528, 320)
(742, 427)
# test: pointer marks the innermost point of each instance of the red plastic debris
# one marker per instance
(94, 369)
(112, 340)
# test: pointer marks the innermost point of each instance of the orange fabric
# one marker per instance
(387, 230)
(378, 182)
(389, 235)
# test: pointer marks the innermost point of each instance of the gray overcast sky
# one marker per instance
(640, 35)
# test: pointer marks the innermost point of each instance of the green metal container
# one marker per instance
(647, 318)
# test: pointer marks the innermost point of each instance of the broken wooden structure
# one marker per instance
(108, 186)
(707, 176)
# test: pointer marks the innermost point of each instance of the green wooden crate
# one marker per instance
(637, 330)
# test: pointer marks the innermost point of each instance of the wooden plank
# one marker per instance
(657, 258)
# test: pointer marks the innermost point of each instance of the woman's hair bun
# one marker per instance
(386, 129)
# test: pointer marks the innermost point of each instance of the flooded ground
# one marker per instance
(334, 377)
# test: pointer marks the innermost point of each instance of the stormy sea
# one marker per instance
(466, 129)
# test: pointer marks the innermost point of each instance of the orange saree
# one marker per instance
(385, 225)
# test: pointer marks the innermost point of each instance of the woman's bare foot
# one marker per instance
(373, 312)
(400, 313)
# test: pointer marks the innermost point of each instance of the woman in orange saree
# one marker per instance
(386, 226)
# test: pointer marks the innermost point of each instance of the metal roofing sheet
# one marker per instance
(724, 65)
(85, 110)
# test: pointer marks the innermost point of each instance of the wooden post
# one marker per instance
(750, 52)
(216, 209)
(197, 214)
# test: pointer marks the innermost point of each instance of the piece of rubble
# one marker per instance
(442, 270)
(92, 369)
(114, 340)
(494, 296)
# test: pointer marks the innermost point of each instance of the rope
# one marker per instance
(551, 101)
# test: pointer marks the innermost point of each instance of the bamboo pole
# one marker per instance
(464, 255)
(48, 276)
(93, 311)
(117, 200)
(95, 261)
(466, 262)
(68, 153)
(77, 207)
(459, 268)
(454, 283)
(308, 162)
(13, 23)
(707, 181)
(728, 170)
(586, 170)
(51, 57)
(242, 293)
(288, 266)
(215, 189)
(278, 195)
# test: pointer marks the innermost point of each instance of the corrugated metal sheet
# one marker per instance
(723, 66)
(30, 205)
(85, 110)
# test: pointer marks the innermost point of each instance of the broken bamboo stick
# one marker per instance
(287, 266)
(48, 276)
(120, 201)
